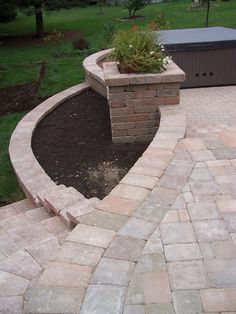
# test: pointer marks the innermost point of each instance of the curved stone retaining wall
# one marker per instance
(67, 202)
(30, 174)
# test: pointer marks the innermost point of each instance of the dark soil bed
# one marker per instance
(73, 144)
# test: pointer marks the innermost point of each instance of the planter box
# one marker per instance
(133, 99)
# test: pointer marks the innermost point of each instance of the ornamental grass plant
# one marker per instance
(137, 50)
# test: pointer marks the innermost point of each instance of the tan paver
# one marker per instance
(91, 235)
(189, 183)
(66, 275)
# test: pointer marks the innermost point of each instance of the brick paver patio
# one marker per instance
(162, 242)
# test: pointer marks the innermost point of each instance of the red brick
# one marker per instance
(168, 92)
(132, 88)
(121, 111)
(138, 131)
(145, 109)
(119, 133)
(137, 102)
(118, 119)
(156, 86)
(144, 94)
(145, 124)
(138, 117)
(157, 101)
(117, 104)
(174, 100)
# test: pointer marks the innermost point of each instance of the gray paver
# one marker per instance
(182, 252)
(153, 245)
(21, 264)
(137, 228)
(54, 300)
(113, 271)
(81, 254)
(131, 309)
(151, 263)
(152, 211)
(230, 220)
(211, 230)
(180, 232)
(218, 300)
(200, 174)
(104, 219)
(32, 233)
(156, 287)
(187, 302)
(187, 275)
(135, 294)
(200, 188)
(224, 249)
(203, 210)
(10, 243)
(165, 308)
(11, 305)
(95, 296)
(67, 275)
(12, 285)
(222, 273)
(43, 252)
(125, 248)
(37, 214)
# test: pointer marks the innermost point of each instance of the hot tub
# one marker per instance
(206, 55)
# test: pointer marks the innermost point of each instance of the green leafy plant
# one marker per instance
(109, 31)
(160, 22)
(137, 50)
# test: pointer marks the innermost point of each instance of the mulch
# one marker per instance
(74, 146)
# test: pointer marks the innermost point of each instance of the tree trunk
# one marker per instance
(39, 21)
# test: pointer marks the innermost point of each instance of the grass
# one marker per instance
(9, 188)
(20, 65)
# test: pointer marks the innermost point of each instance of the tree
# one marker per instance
(133, 6)
(38, 6)
(7, 11)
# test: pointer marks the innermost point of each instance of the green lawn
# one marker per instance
(9, 189)
(63, 65)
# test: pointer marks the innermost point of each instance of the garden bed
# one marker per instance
(73, 144)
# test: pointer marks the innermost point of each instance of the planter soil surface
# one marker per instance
(73, 145)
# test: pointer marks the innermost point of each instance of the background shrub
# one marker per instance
(7, 11)
(81, 44)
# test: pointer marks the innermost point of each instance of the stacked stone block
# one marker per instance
(133, 99)
(134, 110)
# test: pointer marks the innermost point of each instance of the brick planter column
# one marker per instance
(134, 100)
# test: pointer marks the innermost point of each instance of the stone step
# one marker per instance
(83, 207)
(16, 208)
